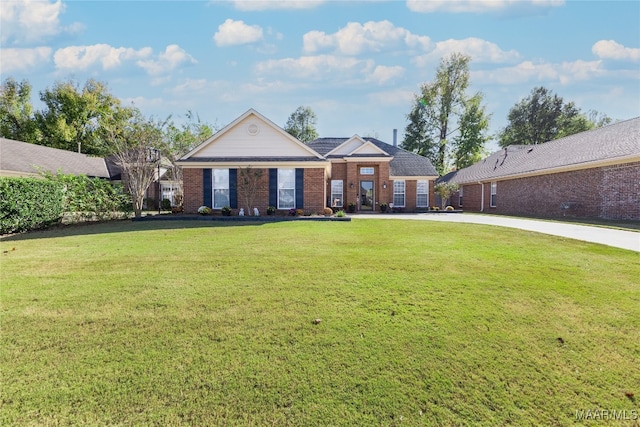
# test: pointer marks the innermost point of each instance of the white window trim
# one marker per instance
(404, 193)
(334, 194)
(214, 188)
(494, 193)
(418, 193)
(287, 188)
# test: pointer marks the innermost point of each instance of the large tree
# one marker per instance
(74, 116)
(469, 144)
(16, 112)
(437, 112)
(544, 116)
(302, 124)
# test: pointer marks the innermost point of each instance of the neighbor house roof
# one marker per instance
(612, 144)
(403, 163)
(23, 159)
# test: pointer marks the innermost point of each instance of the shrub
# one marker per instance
(449, 208)
(341, 214)
(327, 211)
(204, 210)
(299, 212)
(165, 204)
(29, 203)
(226, 211)
(271, 210)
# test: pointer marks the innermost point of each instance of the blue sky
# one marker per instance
(356, 64)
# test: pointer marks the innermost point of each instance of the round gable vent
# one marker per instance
(253, 129)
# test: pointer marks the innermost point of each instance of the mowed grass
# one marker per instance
(422, 323)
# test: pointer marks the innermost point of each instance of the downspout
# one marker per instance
(481, 196)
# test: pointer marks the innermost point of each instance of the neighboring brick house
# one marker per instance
(593, 174)
(332, 172)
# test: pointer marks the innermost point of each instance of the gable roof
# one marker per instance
(356, 146)
(403, 163)
(612, 144)
(239, 141)
(24, 159)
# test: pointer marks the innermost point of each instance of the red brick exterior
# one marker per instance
(608, 192)
(314, 196)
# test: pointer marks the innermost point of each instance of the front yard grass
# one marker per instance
(422, 323)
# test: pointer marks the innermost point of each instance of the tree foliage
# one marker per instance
(74, 117)
(544, 116)
(16, 112)
(249, 184)
(468, 145)
(445, 190)
(302, 124)
(440, 105)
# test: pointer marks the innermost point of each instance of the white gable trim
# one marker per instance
(362, 145)
(233, 124)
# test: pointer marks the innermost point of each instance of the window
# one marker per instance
(220, 188)
(494, 191)
(422, 194)
(398, 194)
(286, 188)
(336, 193)
(460, 197)
(366, 171)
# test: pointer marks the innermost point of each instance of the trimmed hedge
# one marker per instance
(29, 203)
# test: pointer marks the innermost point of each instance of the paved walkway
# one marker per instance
(607, 236)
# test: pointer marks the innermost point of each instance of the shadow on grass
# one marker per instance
(119, 226)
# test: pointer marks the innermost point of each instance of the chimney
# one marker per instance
(395, 137)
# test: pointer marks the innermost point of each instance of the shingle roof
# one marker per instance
(404, 163)
(617, 142)
(28, 159)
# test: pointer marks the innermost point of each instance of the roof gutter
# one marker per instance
(481, 196)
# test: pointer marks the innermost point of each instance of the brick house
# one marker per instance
(336, 172)
(593, 174)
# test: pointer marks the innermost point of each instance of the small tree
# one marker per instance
(249, 185)
(135, 148)
(302, 124)
(445, 190)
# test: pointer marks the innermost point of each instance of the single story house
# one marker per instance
(356, 172)
(592, 174)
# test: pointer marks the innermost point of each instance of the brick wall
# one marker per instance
(192, 187)
(610, 192)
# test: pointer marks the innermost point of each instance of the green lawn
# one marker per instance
(422, 323)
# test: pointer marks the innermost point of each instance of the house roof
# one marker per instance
(403, 163)
(24, 159)
(612, 144)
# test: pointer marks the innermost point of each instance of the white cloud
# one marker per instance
(252, 5)
(316, 67)
(232, 33)
(23, 59)
(479, 50)
(476, 6)
(26, 21)
(171, 58)
(527, 72)
(84, 57)
(356, 38)
(383, 74)
(610, 49)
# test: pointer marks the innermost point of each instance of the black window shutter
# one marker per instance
(233, 188)
(273, 187)
(207, 185)
(299, 188)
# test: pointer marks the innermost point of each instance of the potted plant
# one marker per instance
(226, 211)
(383, 207)
(352, 207)
(271, 210)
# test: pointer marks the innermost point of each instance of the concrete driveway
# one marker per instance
(607, 236)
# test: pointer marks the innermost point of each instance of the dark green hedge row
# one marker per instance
(29, 203)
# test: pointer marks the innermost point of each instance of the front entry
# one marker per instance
(367, 201)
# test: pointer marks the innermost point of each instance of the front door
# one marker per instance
(366, 196)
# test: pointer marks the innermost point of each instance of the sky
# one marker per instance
(356, 64)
